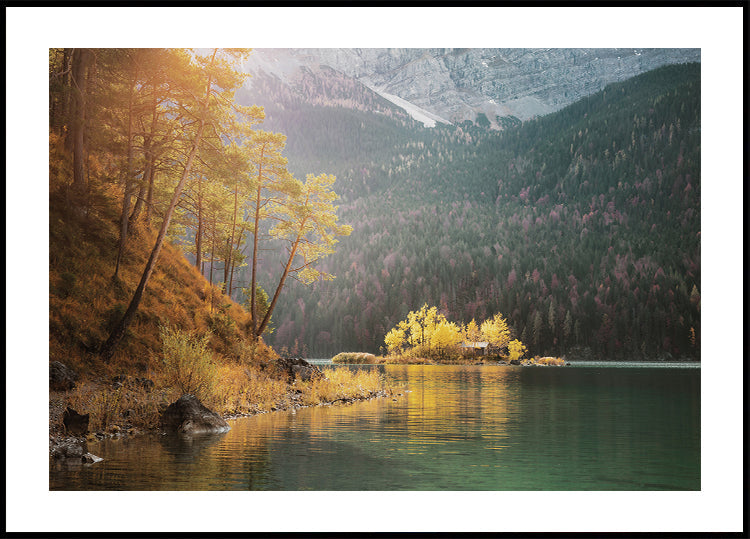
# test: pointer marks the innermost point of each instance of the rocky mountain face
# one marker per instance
(454, 85)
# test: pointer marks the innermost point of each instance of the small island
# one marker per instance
(427, 337)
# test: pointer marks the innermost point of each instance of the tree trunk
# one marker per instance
(118, 332)
(227, 263)
(148, 169)
(211, 270)
(253, 309)
(67, 83)
(199, 231)
(125, 215)
(211, 267)
(231, 271)
(259, 331)
(82, 59)
(150, 194)
(141, 197)
(230, 258)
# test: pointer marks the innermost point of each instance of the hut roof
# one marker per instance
(472, 344)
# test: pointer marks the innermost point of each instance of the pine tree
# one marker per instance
(309, 225)
(216, 78)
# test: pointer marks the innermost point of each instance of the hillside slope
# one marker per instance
(84, 300)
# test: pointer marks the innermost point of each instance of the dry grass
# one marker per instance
(547, 361)
(113, 409)
(356, 358)
(342, 384)
(245, 390)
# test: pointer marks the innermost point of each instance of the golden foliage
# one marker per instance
(495, 331)
(189, 365)
(340, 384)
(427, 335)
(516, 350)
(354, 357)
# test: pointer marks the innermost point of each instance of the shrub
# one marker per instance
(188, 363)
(516, 350)
(553, 361)
(354, 357)
(342, 383)
(222, 325)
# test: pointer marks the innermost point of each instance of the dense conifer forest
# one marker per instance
(581, 227)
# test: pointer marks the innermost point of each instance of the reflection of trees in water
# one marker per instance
(455, 403)
(254, 471)
(186, 449)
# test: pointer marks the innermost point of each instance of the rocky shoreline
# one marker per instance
(73, 448)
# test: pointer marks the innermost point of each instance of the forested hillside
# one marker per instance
(581, 227)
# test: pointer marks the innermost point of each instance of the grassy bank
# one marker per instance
(126, 406)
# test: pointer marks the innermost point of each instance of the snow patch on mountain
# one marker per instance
(419, 114)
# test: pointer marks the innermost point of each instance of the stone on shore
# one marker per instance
(295, 366)
(72, 451)
(67, 449)
(187, 415)
(90, 458)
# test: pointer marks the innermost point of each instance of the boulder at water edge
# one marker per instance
(73, 451)
(69, 449)
(296, 366)
(187, 415)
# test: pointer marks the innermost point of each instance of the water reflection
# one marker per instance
(187, 449)
(457, 428)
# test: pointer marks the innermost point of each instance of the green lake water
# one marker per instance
(594, 426)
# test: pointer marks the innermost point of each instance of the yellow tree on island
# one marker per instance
(496, 331)
(395, 339)
(424, 332)
(445, 337)
(516, 350)
(472, 332)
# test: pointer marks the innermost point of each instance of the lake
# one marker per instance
(589, 426)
